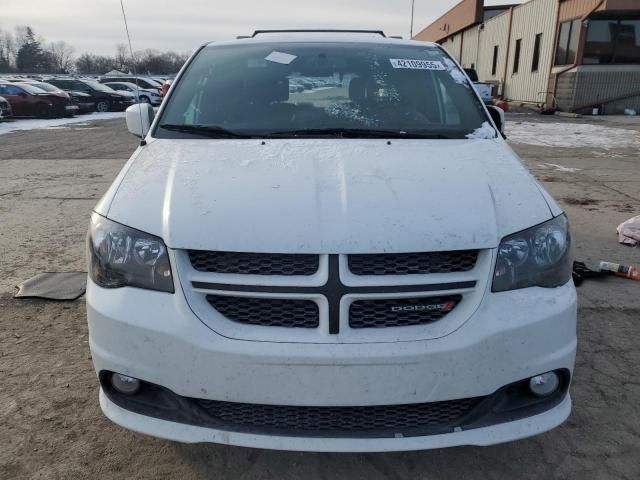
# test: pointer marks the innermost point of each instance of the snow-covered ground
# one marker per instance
(38, 123)
(571, 135)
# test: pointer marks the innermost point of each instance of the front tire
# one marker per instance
(103, 106)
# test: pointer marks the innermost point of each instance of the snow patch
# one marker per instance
(55, 123)
(484, 132)
(562, 168)
(455, 73)
(572, 135)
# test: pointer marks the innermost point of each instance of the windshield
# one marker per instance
(33, 90)
(151, 82)
(46, 87)
(321, 89)
(98, 86)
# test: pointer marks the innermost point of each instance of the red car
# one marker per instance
(28, 101)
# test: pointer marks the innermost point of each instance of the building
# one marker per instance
(576, 54)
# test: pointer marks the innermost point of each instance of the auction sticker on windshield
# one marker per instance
(416, 64)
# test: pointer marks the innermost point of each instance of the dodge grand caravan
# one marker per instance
(324, 243)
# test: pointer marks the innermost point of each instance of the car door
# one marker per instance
(17, 98)
(82, 87)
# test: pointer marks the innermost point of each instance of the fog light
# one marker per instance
(124, 384)
(545, 384)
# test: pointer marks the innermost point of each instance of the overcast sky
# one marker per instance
(181, 25)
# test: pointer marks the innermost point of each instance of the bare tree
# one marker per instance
(7, 51)
(61, 56)
(122, 60)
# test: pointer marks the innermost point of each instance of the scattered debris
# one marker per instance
(580, 201)
(582, 272)
(64, 286)
(629, 232)
(626, 271)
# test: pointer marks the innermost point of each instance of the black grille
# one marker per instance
(400, 312)
(384, 420)
(413, 263)
(267, 312)
(254, 263)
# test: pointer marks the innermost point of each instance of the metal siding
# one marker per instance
(570, 9)
(495, 32)
(470, 47)
(599, 83)
(529, 19)
(452, 45)
(461, 16)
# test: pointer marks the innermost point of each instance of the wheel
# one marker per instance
(103, 106)
(145, 99)
(44, 111)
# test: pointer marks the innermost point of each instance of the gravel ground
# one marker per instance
(51, 426)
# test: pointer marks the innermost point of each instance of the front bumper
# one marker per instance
(120, 105)
(155, 337)
(490, 435)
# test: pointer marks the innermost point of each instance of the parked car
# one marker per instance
(144, 95)
(5, 109)
(484, 89)
(142, 82)
(27, 100)
(81, 100)
(84, 101)
(361, 265)
(105, 98)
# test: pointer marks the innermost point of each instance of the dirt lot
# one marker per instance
(51, 426)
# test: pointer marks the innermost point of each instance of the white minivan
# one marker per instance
(324, 243)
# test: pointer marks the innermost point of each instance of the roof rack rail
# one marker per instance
(260, 32)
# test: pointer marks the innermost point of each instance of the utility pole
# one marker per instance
(413, 6)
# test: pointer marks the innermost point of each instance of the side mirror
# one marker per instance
(497, 115)
(22, 94)
(139, 118)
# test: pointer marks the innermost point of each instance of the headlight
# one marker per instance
(537, 257)
(120, 256)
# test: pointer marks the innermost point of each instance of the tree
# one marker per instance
(60, 57)
(122, 61)
(94, 64)
(30, 56)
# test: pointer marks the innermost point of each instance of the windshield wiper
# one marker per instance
(354, 133)
(210, 131)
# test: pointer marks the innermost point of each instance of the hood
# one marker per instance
(79, 94)
(55, 94)
(326, 196)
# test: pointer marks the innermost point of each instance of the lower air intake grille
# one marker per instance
(400, 312)
(267, 312)
(386, 420)
(413, 263)
(254, 263)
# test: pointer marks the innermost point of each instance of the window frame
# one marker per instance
(516, 56)
(494, 63)
(614, 41)
(537, 45)
(566, 60)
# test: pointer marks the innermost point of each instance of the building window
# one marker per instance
(535, 63)
(494, 65)
(516, 57)
(567, 42)
(612, 41)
